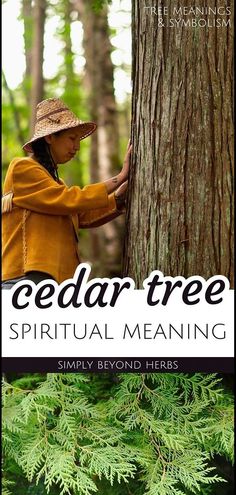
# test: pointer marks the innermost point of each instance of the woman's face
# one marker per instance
(63, 146)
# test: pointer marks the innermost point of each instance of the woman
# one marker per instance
(41, 215)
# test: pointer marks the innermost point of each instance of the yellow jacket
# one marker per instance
(41, 219)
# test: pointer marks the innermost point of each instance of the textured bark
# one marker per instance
(106, 242)
(39, 14)
(180, 216)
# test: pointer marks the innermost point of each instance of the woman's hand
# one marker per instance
(120, 195)
(114, 183)
(120, 192)
(125, 169)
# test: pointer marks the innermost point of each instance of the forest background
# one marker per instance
(79, 51)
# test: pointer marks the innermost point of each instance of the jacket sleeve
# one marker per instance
(35, 190)
(95, 218)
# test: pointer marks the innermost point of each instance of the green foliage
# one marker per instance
(10, 144)
(6, 485)
(97, 5)
(152, 434)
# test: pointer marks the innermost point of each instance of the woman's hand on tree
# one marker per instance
(125, 170)
(114, 183)
(120, 195)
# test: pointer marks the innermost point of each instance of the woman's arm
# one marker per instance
(100, 216)
(34, 189)
(116, 206)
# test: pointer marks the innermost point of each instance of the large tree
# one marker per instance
(180, 213)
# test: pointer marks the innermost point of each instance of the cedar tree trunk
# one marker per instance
(179, 215)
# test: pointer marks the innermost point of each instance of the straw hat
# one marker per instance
(53, 115)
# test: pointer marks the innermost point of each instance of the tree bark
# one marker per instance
(104, 160)
(37, 89)
(180, 213)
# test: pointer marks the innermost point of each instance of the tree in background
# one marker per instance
(69, 83)
(37, 81)
(104, 156)
(27, 17)
(21, 103)
(180, 211)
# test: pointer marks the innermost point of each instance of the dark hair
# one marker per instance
(42, 152)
